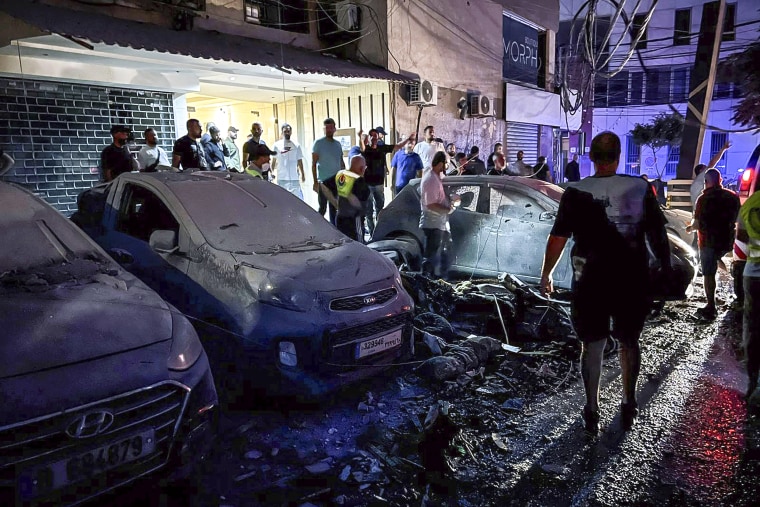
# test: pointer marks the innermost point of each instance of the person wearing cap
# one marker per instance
(115, 158)
(377, 169)
(151, 155)
(748, 231)
(349, 193)
(288, 162)
(188, 152)
(381, 133)
(233, 159)
(260, 157)
(215, 150)
(248, 148)
(326, 161)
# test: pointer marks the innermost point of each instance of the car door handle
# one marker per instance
(121, 256)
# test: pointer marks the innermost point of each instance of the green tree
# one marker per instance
(665, 129)
(742, 69)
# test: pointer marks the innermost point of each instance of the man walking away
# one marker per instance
(151, 155)
(714, 220)
(289, 158)
(573, 170)
(326, 161)
(233, 159)
(405, 166)
(699, 174)
(374, 154)
(609, 216)
(188, 152)
(350, 193)
(434, 220)
(748, 230)
(115, 158)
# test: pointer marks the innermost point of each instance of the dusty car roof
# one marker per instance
(550, 190)
(239, 213)
(34, 233)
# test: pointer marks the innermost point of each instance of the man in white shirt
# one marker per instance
(151, 155)
(434, 219)
(428, 147)
(288, 163)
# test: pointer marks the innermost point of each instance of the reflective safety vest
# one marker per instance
(750, 213)
(345, 180)
(251, 169)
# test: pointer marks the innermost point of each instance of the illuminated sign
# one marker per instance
(522, 54)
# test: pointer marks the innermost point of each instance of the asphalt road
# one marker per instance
(512, 435)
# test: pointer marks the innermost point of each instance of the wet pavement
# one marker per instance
(508, 433)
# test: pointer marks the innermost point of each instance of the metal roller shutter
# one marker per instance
(522, 136)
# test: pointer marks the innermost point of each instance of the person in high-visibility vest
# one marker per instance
(748, 231)
(349, 192)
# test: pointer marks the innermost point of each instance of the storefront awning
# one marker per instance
(98, 28)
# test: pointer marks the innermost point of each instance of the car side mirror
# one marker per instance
(546, 216)
(164, 241)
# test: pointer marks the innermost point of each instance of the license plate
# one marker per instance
(52, 476)
(380, 344)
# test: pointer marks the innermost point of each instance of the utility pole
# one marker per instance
(700, 95)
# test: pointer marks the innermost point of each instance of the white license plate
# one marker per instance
(380, 344)
(47, 478)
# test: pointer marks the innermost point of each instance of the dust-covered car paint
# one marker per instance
(501, 226)
(280, 297)
(95, 365)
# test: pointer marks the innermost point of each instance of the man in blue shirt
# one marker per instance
(405, 165)
(326, 161)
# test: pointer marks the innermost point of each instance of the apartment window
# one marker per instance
(600, 92)
(289, 15)
(682, 27)
(680, 85)
(617, 89)
(674, 153)
(632, 154)
(639, 28)
(717, 140)
(637, 88)
(723, 90)
(729, 23)
(657, 86)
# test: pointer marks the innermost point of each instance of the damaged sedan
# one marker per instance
(281, 299)
(501, 226)
(101, 381)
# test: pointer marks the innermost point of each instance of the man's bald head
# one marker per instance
(357, 165)
(605, 150)
(712, 178)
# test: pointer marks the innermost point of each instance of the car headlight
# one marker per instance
(278, 290)
(186, 347)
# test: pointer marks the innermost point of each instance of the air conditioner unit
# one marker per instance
(423, 93)
(482, 105)
(338, 21)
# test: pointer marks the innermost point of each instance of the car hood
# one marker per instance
(71, 324)
(343, 267)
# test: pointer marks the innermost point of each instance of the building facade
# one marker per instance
(656, 80)
(70, 69)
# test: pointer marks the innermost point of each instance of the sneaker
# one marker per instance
(590, 420)
(628, 413)
(707, 313)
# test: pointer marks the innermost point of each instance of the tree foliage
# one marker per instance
(742, 69)
(665, 129)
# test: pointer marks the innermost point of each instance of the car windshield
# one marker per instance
(254, 216)
(35, 235)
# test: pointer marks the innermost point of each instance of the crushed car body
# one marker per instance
(101, 381)
(501, 226)
(281, 298)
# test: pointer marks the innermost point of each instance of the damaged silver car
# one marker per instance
(101, 381)
(282, 300)
(501, 226)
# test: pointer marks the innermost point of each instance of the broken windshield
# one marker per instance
(254, 216)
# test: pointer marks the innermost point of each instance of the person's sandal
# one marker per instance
(707, 313)
(628, 413)
(590, 420)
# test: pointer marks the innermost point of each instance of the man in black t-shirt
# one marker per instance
(115, 158)
(188, 151)
(376, 171)
(609, 217)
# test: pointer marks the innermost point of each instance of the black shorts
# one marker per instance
(598, 313)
